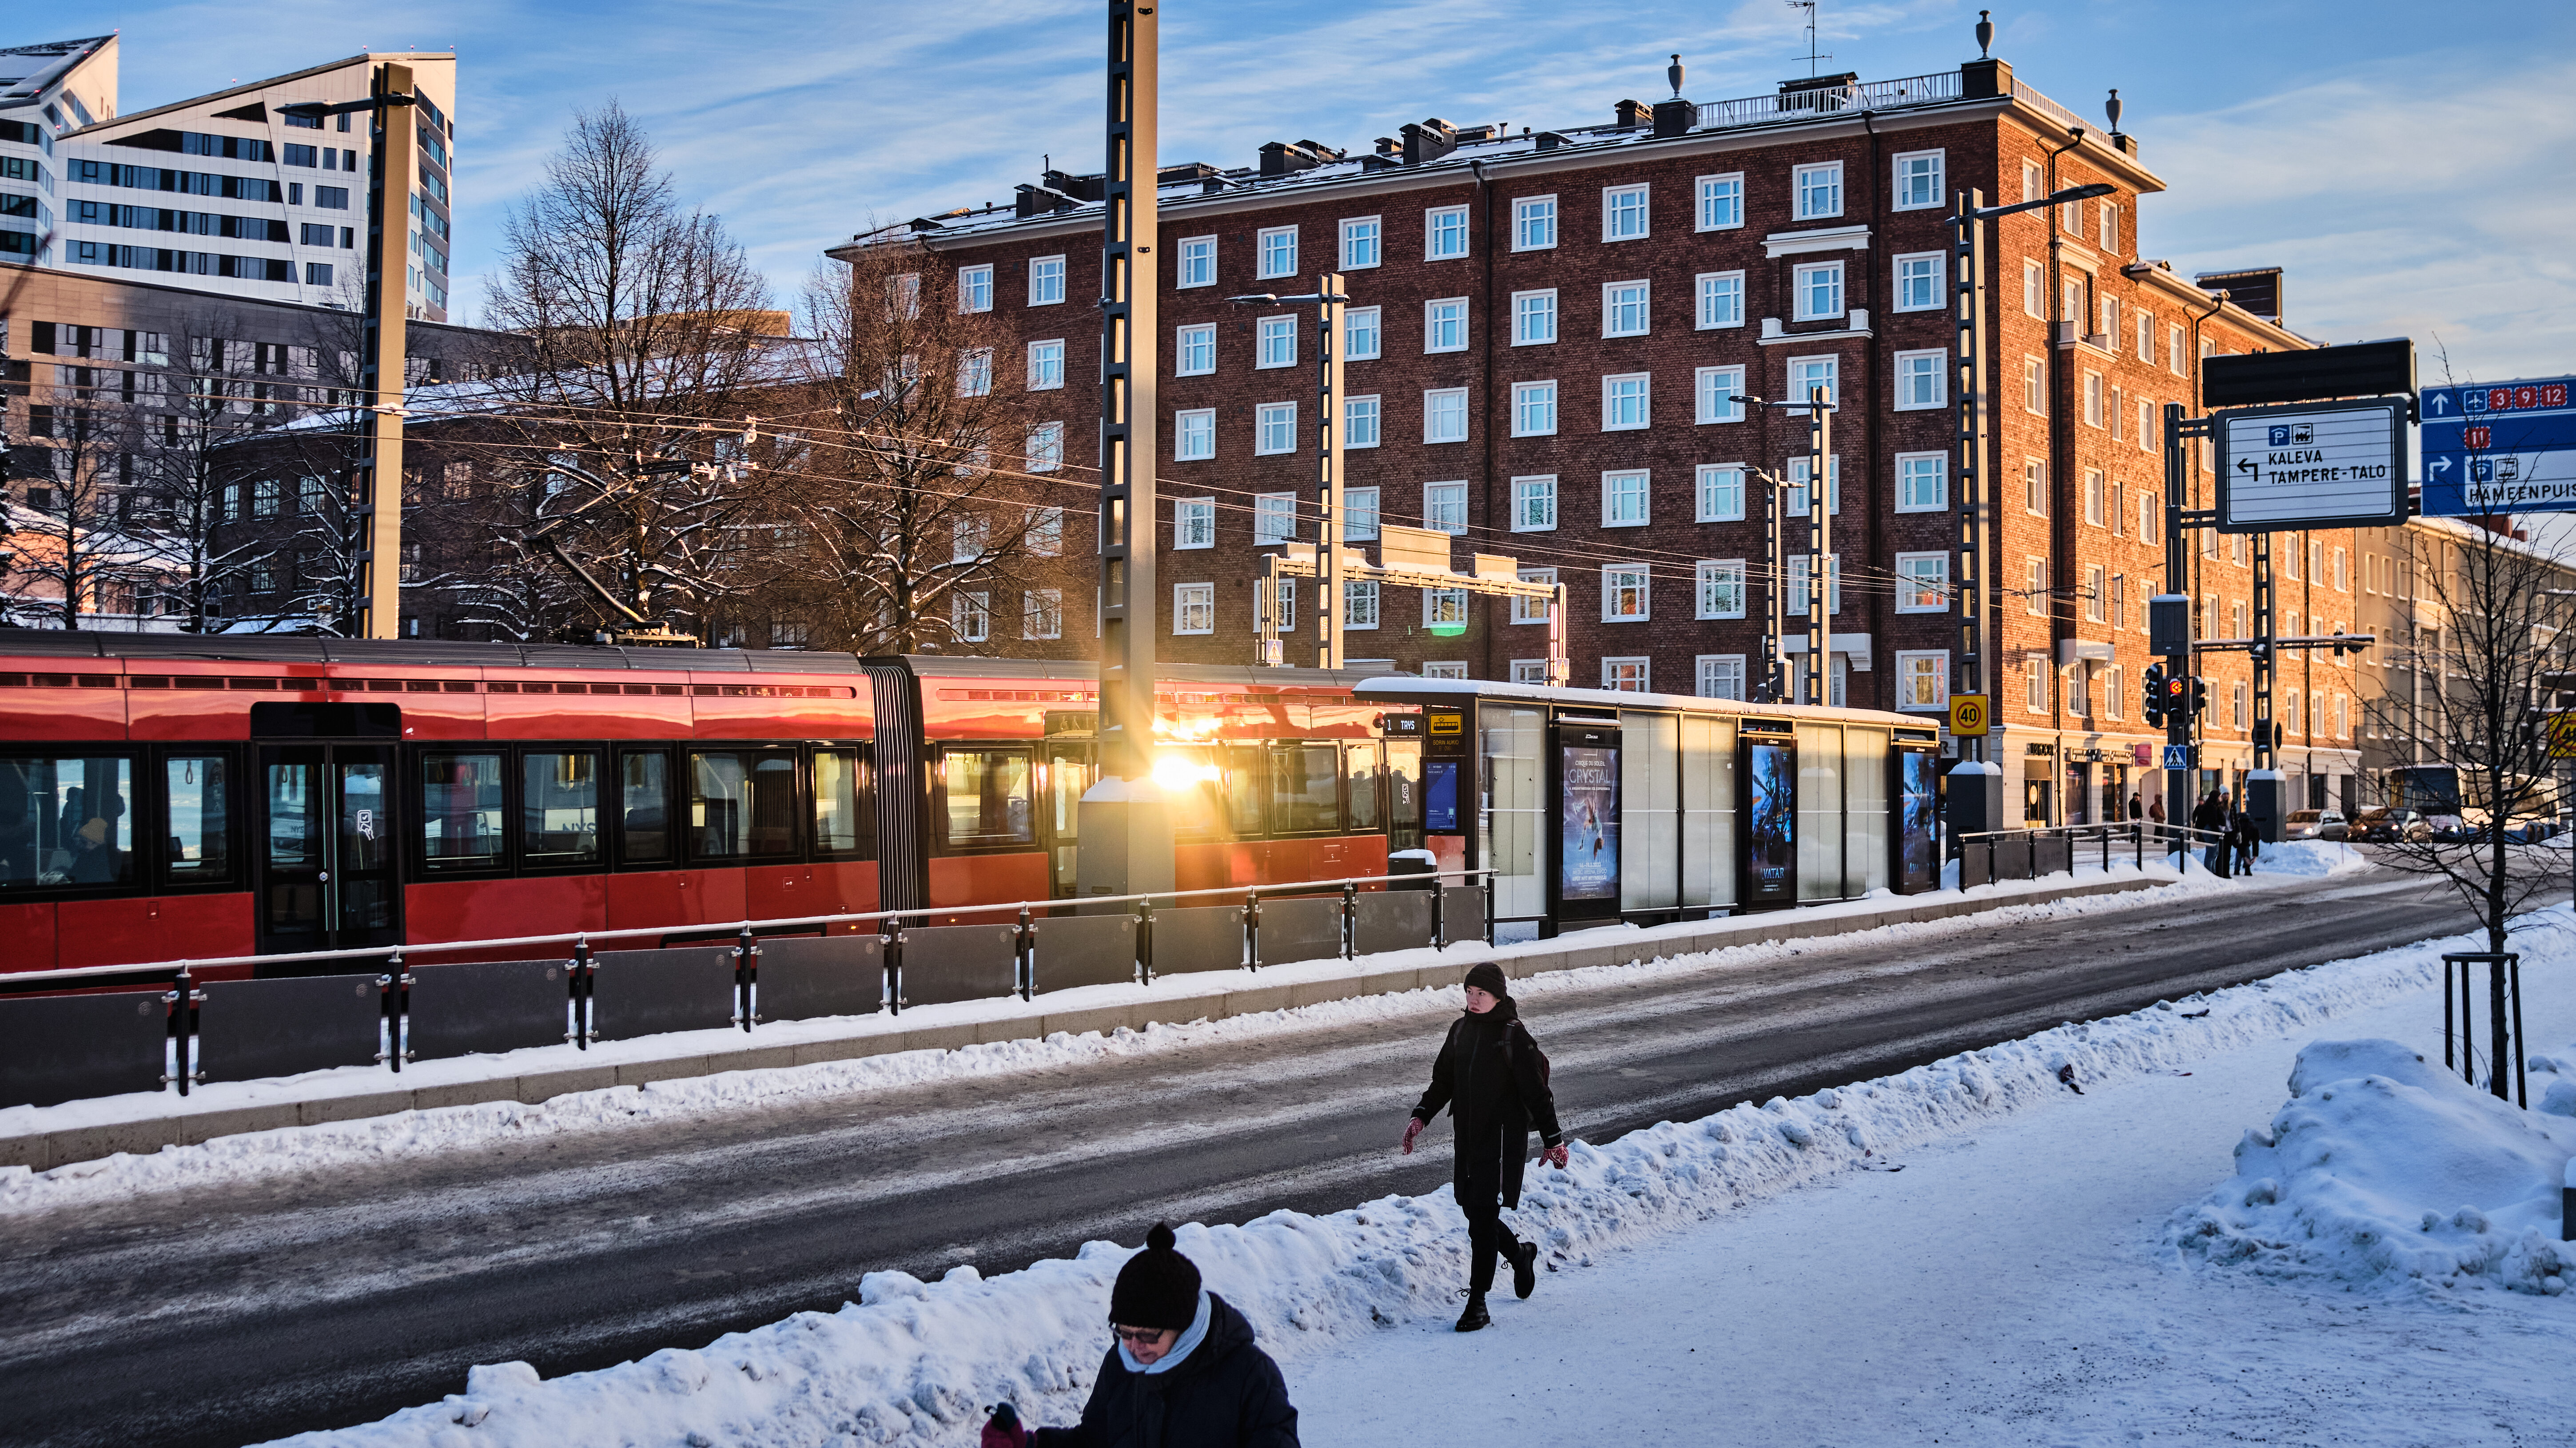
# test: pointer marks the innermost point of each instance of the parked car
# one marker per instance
(2390, 826)
(2314, 824)
(2448, 829)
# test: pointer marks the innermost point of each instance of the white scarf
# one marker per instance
(1196, 1334)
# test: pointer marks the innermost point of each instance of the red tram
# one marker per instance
(181, 796)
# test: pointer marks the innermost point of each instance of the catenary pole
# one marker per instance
(376, 484)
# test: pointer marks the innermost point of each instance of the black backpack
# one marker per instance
(1521, 1033)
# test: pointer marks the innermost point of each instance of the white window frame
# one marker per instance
(2174, 348)
(1193, 602)
(1194, 435)
(1529, 671)
(1807, 180)
(1269, 415)
(1274, 519)
(974, 285)
(972, 614)
(1444, 669)
(1361, 602)
(2109, 212)
(1534, 217)
(1527, 608)
(2035, 595)
(1037, 270)
(1713, 582)
(1203, 334)
(1530, 305)
(1274, 342)
(1710, 669)
(1919, 575)
(1444, 508)
(1611, 303)
(2097, 592)
(1432, 227)
(1268, 251)
(1363, 236)
(1616, 577)
(1718, 300)
(1193, 524)
(2143, 322)
(2034, 387)
(1434, 401)
(2096, 399)
(1444, 606)
(1534, 488)
(1613, 388)
(1833, 366)
(1042, 613)
(2034, 289)
(1528, 396)
(1628, 674)
(1616, 203)
(975, 372)
(1710, 490)
(1358, 322)
(1432, 319)
(1727, 192)
(1910, 467)
(1932, 261)
(1897, 190)
(1046, 447)
(1193, 249)
(1357, 411)
(1359, 504)
(1912, 368)
(1708, 386)
(2034, 487)
(1910, 666)
(1624, 490)
(1794, 504)
(1050, 379)
(1803, 288)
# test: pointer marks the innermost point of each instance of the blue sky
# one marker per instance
(2407, 163)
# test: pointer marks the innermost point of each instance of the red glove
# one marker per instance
(1412, 1128)
(1003, 1430)
(1556, 1156)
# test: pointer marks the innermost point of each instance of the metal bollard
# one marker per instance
(746, 972)
(1025, 946)
(577, 982)
(1145, 942)
(1252, 931)
(1350, 919)
(181, 998)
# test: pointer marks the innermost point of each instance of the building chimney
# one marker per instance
(1632, 114)
(1430, 141)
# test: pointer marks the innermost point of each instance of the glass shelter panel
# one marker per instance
(1820, 811)
(1865, 855)
(1511, 820)
(1708, 811)
(1650, 766)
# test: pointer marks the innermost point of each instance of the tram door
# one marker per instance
(1069, 774)
(325, 849)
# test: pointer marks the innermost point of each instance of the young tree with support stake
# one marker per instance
(2480, 683)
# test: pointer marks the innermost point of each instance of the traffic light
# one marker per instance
(2199, 694)
(2152, 693)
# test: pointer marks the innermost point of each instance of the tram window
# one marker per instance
(66, 820)
(199, 788)
(1246, 770)
(1194, 788)
(644, 808)
(839, 827)
(460, 812)
(742, 805)
(989, 801)
(558, 808)
(1305, 785)
(1364, 771)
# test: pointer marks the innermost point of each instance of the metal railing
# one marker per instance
(1990, 855)
(2046, 107)
(184, 999)
(1877, 95)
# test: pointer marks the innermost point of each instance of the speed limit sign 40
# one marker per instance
(1967, 715)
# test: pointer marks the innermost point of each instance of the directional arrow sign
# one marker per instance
(2312, 465)
(2500, 447)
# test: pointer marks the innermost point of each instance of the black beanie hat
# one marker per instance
(1157, 1288)
(1486, 976)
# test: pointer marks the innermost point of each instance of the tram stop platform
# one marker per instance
(46, 1137)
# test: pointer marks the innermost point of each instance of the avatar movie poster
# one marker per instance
(1918, 857)
(1771, 836)
(1588, 847)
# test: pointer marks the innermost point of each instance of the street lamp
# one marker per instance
(1328, 300)
(1820, 450)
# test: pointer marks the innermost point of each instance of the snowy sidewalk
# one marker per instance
(2005, 1287)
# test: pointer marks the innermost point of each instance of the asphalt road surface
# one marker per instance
(232, 1315)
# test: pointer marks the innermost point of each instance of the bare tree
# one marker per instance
(2478, 683)
(71, 543)
(925, 491)
(644, 327)
(202, 410)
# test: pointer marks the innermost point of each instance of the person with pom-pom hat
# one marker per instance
(1182, 1371)
(1493, 1079)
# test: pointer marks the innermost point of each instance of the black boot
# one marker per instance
(1524, 1269)
(1475, 1316)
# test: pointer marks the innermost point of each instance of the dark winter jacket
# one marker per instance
(1488, 1076)
(1226, 1394)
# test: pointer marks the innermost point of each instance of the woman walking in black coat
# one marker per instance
(1494, 1081)
(1183, 1372)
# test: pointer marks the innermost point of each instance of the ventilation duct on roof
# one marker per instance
(1039, 201)
(1429, 141)
(1632, 114)
(1285, 158)
(1083, 188)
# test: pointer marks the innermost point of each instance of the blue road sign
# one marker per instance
(2177, 756)
(2503, 447)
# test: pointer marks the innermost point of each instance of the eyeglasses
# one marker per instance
(1139, 1335)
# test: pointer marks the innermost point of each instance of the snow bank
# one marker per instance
(914, 1361)
(2384, 1168)
(2310, 858)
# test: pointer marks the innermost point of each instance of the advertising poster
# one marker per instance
(1918, 861)
(1440, 796)
(1588, 851)
(1771, 840)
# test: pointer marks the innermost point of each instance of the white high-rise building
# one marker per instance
(224, 193)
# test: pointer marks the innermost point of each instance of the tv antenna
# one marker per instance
(1812, 54)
